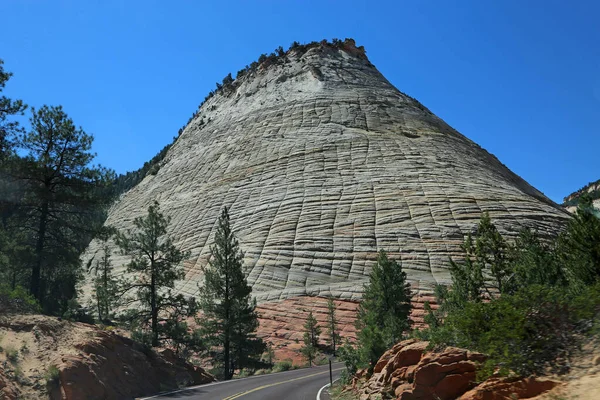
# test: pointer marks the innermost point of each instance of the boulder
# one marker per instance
(413, 373)
(510, 388)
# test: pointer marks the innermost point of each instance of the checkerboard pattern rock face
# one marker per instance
(323, 162)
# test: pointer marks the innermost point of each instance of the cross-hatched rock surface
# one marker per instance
(323, 162)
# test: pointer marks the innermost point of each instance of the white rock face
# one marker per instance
(323, 162)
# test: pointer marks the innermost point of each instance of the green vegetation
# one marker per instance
(338, 391)
(52, 375)
(284, 365)
(8, 108)
(229, 320)
(332, 329)
(17, 300)
(106, 286)
(59, 203)
(584, 191)
(159, 315)
(383, 315)
(51, 206)
(311, 338)
(12, 354)
(524, 304)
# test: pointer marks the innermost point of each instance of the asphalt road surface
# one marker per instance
(300, 384)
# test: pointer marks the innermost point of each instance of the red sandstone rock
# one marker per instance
(415, 374)
(281, 321)
(110, 366)
(509, 388)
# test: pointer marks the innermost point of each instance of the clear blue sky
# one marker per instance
(521, 78)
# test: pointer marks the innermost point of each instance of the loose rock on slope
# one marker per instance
(323, 162)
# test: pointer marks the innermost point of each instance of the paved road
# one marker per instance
(300, 384)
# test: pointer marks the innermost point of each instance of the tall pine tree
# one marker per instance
(384, 313)
(61, 204)
(106, 285)
(311, 338)
(332, 328)
(229, 319)
(8, 107)
(155, 264)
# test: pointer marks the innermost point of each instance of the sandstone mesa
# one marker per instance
(323, 162)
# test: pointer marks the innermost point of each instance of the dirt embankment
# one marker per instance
(45, 357)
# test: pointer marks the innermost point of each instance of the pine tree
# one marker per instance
(384, 313)
(229, 320)
(332, 333)
(311, 338)
(491, 252)
(61, 204)
(487, 268)
(533, 263)
(8, 108)
(579, 245)
(106, 286)
(155, 264)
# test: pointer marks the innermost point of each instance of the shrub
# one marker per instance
(284, 365)
(350, 355)
(12, 354)
(52, 375)
(523, 333)
(17, 300)
(262, 371)
(244, 373)
(76, 312)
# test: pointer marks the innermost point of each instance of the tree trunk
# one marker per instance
(39, 252)
(226, 372)
(153, 310)
(227, 344)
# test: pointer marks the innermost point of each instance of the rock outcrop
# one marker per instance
(279, 321)
(592, 189)
(409, 372)
(323, 162)
(8, 390)
(48, 357)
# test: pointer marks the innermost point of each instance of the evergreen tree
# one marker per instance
(384, 313)
(491, 252)
(269, 355)
(106, 286)
(8, 108)
(579, 245)
(332, 329)
(311, 338)
(155, 264)
(487, 268)
(229, 320)
(61, 204)
(534, 263)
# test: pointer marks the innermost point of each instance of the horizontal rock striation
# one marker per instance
(281, 322)
(323, 162)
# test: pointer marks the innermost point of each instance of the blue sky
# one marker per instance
(520, 78)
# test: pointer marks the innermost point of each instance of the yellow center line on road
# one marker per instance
(240, 394)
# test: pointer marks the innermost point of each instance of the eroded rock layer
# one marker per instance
(323, 162)
(281, 322)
